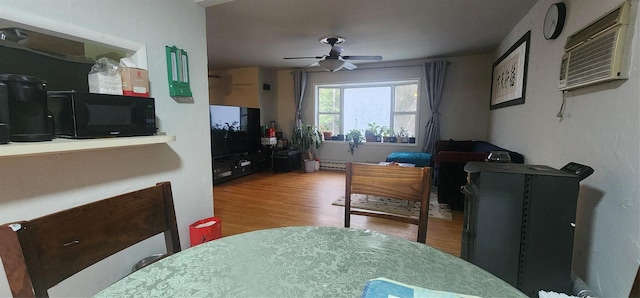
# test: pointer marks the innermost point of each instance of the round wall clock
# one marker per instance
(554, 20)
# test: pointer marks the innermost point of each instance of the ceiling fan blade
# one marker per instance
(334, 60)
(316, 57)
(349, 66)
(362, 57)
(314, 64)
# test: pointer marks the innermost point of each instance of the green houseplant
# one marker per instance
(326, 132)
(372, 131)
(354, 137)
(403, 135)
(306, 138)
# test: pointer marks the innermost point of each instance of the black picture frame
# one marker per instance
(509, 75)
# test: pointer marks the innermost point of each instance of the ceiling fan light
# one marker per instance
(331, 65)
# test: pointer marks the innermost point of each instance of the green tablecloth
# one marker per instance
(305, 262)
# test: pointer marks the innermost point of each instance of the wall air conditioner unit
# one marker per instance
(596, 53)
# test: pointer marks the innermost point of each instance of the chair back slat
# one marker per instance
(407, 183)
(61, 244)
(14, 264)
(389, 181)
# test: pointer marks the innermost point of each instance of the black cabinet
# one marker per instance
(231, 167)
(519, 224)
(261, 161)
(286, 160)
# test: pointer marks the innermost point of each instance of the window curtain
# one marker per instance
(434, 73)
(299, 85)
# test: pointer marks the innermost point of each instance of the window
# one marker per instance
(391, 106)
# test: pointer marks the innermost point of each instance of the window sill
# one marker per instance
(375, 143)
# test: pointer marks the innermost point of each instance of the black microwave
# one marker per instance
(82, 115)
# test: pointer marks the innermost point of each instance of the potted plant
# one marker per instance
(354, 137)
(305, 138)
(403, 135)
(327, 135)
(387, 134)
(371, 132)
(380, 133)
(326, 132)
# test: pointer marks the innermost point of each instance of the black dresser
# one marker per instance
(519, 224)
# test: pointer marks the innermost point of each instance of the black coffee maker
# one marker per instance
(5, 136)
(23, 109)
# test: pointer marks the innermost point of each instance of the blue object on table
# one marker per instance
(381, 288)
(420, 159)
(385, 288)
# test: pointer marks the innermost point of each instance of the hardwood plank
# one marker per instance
(270, 200)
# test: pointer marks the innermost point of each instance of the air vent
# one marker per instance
(596, 53)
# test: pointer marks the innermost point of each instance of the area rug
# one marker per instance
(396, 206)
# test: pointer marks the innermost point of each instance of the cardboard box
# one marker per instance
(52, 44)
(103, 83)
(135, 82)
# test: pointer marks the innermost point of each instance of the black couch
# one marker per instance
(450, 159)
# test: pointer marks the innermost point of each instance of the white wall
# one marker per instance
(464, 107)
(241, 88)
(601, 128)
(268, 98)
(34, 186)
(285, 103)
(244, 87)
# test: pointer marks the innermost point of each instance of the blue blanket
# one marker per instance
(420, 159)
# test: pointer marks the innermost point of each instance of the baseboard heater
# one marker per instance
(333, 165)
(339, 165)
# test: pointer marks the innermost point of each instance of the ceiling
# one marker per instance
(248, 33)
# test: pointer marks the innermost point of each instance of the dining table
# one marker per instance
(306, 261)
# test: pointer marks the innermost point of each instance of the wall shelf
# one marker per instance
(61, 145)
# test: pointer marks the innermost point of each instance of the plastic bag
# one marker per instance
(105, 65)
(104, 77)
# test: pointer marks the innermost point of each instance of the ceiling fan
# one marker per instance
(335, 61)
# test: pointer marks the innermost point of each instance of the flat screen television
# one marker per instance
(234, 130)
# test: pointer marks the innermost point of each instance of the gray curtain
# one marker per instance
(434, 73)
(299, 85)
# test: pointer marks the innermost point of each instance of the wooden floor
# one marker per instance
(269, 200)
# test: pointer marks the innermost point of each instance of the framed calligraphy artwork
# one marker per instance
(509, 77)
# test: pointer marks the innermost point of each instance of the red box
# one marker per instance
(205, 230)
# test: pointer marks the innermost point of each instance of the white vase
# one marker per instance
(309, 165)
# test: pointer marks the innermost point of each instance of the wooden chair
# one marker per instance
(635, 288)
(39, 253)
(407, 183)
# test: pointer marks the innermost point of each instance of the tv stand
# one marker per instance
(234, 166)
